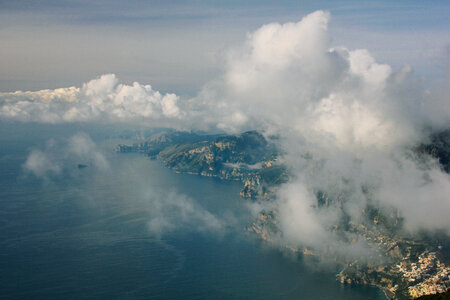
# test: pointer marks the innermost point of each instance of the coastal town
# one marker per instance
(429, 275)
(416, 273)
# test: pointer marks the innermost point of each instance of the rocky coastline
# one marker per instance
(410, 267)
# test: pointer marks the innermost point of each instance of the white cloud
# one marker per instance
(174, 211)
(299, 222)
(59, 157)
(289, 76)
(357, 118)
(80, 146)
(99, 100)
(364, 65)
(40, 164)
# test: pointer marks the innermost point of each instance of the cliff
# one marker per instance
(247, 157)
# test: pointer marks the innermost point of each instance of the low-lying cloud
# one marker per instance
(59, 157)
(40, 164)
(166, 210)
(174, 211)
(346, 124)
(100, 100)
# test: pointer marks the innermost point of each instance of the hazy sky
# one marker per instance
(177, 46)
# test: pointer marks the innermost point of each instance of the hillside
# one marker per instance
(410, 266)
(247, 157)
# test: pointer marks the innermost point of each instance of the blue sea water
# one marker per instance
(84, 234)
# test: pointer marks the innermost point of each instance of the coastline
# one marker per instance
(394, 281)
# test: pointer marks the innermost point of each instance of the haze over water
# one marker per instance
(85, 234)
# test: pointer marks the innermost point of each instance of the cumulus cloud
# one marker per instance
(346, 123)
(290, 76)
(100, 100)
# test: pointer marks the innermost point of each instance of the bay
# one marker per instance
(84, 234)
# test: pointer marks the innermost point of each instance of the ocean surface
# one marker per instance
(84, 233)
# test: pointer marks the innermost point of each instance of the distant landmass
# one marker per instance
(247, 157)
(412, 266)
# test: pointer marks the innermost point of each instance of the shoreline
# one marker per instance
(388, 294)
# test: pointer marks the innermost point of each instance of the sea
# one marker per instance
(84, 233)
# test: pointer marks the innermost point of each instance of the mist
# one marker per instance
(80, 158)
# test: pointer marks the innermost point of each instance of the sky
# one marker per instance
(177, 46)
